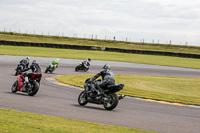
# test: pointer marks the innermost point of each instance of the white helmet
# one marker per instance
(28, 58)
(57, 59)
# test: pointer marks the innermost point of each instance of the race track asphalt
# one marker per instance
(61, 101)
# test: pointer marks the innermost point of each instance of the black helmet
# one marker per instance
(89, 59)
(106, 66)
(34, 62)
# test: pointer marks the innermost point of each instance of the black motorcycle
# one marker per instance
(18, 69)
(109, 99)
(49, 69)
(82, 67)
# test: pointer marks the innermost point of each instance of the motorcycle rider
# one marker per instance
(55, 63)
(86, 63)
(35, 69)
(107, 77)
(25, 62)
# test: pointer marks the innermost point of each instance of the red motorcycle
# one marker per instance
(31, 87)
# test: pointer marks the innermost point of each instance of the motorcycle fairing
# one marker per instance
(36, 76)
(115, 88)
(20, 79)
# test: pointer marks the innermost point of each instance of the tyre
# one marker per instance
(14, 87)
(112, 103)
(86, 69)
(82, 99)
(34, 90)
(47, 69)
(17, 70)
(77, 68)
(16, 73)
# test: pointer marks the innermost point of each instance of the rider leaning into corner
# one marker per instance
(107, 78)
(25, 62)
(35, 69)
(55, 63)
(86, 63)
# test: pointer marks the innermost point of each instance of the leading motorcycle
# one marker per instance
(109, 99)
(31, 87)
(81, 66)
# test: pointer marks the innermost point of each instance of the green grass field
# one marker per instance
(162, 88)
(10, 36)
(100, 55)
(22, 122)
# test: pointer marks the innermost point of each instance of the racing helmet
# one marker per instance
(106, 66)
(34, 62)
(57, 59)
(28, 58)
(89, 59)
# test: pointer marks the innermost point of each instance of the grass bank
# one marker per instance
(22, 122)
(10, 36)
(100, 55)
(162, 88)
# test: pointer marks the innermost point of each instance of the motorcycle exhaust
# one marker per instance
(121, 97)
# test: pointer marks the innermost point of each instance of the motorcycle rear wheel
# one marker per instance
(14, 87)
(82, 99)
(86, 69)
(112, 103)
(34, 90)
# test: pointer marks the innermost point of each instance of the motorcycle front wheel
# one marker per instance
(112, 103)
(82, 99)
(14, 87)
(77, 68)
(47, 69)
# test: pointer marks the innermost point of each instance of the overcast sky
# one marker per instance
(158, 20)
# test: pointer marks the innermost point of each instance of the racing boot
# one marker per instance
(101, 92)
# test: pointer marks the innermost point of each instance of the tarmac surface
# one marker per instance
(61, 101)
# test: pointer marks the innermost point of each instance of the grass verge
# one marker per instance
(162, 88)
(11, 36)
(100, 55)
(22, 122)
